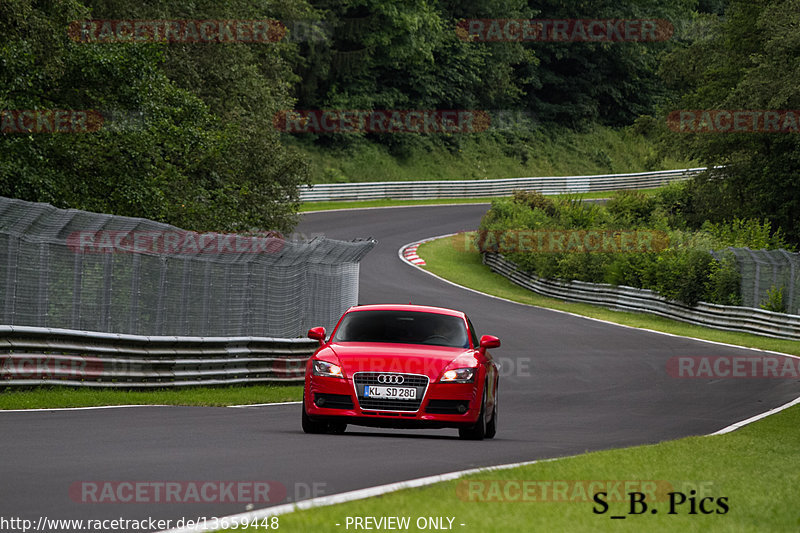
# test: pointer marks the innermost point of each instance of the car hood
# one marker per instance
(403, 358)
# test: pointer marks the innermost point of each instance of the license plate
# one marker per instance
(390, 393)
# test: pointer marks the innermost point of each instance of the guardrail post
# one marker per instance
(792, 280)
(108, 286)
(44, 285)
(206, 293)
(162, 287)
(11, 278)
(136, 272)
(77, 288)
(184, 308)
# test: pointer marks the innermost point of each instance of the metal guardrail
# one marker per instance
(32, 356)
(427, 190)
(732, 318)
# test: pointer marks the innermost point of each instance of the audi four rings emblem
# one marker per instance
(394, 379)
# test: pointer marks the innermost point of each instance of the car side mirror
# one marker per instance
(318, 334)
(487, 342)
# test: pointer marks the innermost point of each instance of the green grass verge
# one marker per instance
(356, 204)
(754, 468)
(444, 259)
(53, 397)
(541, 152)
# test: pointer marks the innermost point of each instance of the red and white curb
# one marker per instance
(410, 254)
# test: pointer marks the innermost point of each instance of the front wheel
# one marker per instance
(337, 427)
(478, 431)
(310, 425)
(491, 427)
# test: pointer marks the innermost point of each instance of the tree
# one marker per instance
(187, 136)
(750, 60)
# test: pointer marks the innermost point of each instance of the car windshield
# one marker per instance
(406, 327)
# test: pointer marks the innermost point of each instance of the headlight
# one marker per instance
(458, 375)
(322, 368)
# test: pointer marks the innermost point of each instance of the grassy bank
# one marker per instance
(600, 150)
(54, 397)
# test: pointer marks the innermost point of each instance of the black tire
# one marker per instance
(337, 427)
(478, 431)
(491, 427)
(310, 425)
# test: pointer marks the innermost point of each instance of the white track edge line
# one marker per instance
(738, 425)
(263, 404)
(359, 494)
(140, 405)
(91, 407)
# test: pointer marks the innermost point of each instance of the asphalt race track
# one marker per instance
(568, 385)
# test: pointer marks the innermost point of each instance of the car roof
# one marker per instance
(407, 307)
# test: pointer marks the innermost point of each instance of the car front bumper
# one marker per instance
(443, 405)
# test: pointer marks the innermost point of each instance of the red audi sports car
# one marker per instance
(402, 366)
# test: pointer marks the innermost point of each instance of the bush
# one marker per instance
(629, 269)
(534, 200)
(774, 300)
(725, 282)
(682, 275)
(582, 267)
(575, 214)
(750, 233)
(672, 202)
(685, 272)
(630, 208)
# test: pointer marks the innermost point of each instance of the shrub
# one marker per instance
(582, 267)
(750, 233)
(682, 275)
(629, 269)
(774, 300)
(725, 282)
(630, 207)
(534, 200)
(575, 214)
(686, 272)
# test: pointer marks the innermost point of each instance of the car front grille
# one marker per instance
(360, 379)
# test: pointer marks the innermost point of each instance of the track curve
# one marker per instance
(571, 385)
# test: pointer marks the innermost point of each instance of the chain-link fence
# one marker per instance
(86, 271)
(768, 277)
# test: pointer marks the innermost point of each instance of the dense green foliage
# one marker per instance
(384, 55)
(682, 269)
(189, 136)
(747, 60)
